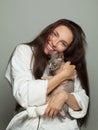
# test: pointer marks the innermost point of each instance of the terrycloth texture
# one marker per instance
(31, 95)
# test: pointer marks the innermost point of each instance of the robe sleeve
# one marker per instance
(82, 100)
(26, 90)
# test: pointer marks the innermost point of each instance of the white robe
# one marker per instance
(31, 95)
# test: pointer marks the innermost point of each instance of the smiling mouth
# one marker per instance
(50, 48)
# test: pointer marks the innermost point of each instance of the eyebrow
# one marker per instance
(57, 34)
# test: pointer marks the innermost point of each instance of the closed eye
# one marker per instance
(65, 44)
(55, 33)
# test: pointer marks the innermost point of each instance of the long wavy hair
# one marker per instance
(75, 53)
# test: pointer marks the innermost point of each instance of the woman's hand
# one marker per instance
(68, 70)
(55, 104)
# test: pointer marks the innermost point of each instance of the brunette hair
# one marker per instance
(75, 53)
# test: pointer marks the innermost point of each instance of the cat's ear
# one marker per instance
(62, 55)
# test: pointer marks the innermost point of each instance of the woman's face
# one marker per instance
(59, 40)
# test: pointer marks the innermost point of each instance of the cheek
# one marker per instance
(49, 38)
(45, 49)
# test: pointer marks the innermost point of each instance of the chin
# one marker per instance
(46, 52)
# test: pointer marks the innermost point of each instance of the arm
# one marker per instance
(26, 90)
(77, 102)
(82, 100)
(68, 72)
(71, 101)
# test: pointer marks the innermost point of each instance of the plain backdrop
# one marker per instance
(22, 20)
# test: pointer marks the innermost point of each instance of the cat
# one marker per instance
(56, 63)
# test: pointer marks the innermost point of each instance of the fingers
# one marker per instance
(54, 105)
(51, 112)
(69, 69)
(52, 109)
(69, 63)
(73, 66)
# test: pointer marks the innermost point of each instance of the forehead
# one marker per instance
(64, 33)
(63, 29)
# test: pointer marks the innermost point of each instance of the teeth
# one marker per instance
(49, 47)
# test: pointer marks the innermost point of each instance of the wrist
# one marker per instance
(62, 76)
(65, 95)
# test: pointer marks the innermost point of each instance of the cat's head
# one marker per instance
(56, 61)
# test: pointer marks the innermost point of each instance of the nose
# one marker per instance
(55, 43)
(54, 40)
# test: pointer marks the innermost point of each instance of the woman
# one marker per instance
(27, 66)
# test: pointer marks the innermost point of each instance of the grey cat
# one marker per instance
(55, 66)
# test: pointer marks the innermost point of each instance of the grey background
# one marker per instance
(22, 20)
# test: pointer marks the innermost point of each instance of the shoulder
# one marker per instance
(23, 49)
(22, 53)
(19, 60)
